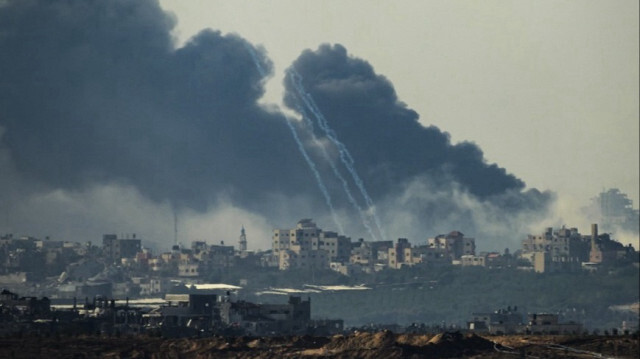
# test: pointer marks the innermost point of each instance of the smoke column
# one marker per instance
(345, 156)
(302, 150)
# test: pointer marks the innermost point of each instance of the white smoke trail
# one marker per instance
(336, 172)
(302, 150)
(345, 156)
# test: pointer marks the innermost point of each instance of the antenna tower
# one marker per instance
(175, 226)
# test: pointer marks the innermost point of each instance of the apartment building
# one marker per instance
(304, 246)
(454, 245)
(562, 250)
(118, 248)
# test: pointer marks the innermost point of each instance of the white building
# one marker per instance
(306, 246)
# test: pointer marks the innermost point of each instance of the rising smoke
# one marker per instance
(102, 115)
(423, 180)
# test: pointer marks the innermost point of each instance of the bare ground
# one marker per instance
(358, 345)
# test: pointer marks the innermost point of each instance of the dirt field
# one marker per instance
(358, 345)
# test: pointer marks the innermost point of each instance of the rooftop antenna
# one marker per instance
(175, 226)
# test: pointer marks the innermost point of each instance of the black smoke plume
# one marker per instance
(95, 93)
(414, 170)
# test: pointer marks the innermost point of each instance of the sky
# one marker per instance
(547, 89)
(376, 119)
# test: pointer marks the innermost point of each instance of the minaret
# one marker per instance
(243, 241)
(595, 255)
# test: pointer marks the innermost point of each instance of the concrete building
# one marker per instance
(117, 248)
(563, 250)
(468, 260)
(439, 251)
(604, 250)
(369, 256)
(397, 253)
(219, 256)
(509, 321)
(496, 260)
(454, 245)
(306, 246)
(186, 312)
(189, 314)
(362, 254)
(298, 258)
(338, 247)
(545, 323)
(442, 249)
(502, 321)
(150, 286)
(189, 269)
(268, 319)
(567, 250)
(414, 255)
(616, 211)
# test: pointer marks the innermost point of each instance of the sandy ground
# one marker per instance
(358, 345)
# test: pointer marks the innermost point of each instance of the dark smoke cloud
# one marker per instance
(94, 92)
(394, 152)
(385, 137)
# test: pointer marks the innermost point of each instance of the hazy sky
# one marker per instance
(547, 89)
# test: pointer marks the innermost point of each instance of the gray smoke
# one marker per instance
(93, 94)
(94, 91)
(424, 181)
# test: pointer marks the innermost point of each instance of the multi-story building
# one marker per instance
(615, 211)
(189, 269)
(307, 246)
(202, 258)
(337, 247)
(454, 245)
(397, 253)
(563, 250)
(365, 252)
(298, 257)
(443, 249)
(219, 256)
(416, 255)
(117, 248)
(362, 253)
